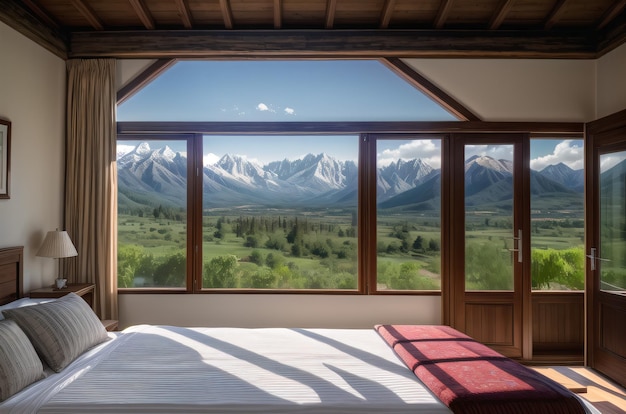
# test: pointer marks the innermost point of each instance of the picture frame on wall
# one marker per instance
(5, 157)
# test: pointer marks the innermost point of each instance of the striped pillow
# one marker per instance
(19, 364)
(61, 330)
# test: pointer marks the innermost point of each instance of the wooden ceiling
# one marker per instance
(320, 28)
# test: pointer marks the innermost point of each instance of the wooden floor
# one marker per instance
(605, 395)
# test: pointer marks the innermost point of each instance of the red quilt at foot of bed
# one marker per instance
(471, 378)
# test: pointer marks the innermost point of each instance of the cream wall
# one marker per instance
(611, 82)
(517, 89)
(260, 310)
(32, 97)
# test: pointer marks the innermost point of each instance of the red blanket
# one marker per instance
(471, 378)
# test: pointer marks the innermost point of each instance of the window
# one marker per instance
(613, 222)
(557, 214)
(408, 211)
(280, 91)
(152, 213)
(280, 212)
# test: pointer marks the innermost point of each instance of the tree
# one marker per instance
(220, 272)
(263, 279)
(418, 244)
(433, 245)
(171, 272)
(274, 260)
(256, 257)
(251, 241)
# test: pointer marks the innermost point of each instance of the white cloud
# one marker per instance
(265, 108)
(424, 149)
(567, 152)
(290, 111)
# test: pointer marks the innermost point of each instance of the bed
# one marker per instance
(158, 369)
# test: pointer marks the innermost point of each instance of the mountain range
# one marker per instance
(149, 177)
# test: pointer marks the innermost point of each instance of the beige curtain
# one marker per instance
(90, 179)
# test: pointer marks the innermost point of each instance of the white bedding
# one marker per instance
(151, 369)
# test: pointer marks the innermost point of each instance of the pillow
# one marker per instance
(19, 364)
(61, 330)
(22, 302)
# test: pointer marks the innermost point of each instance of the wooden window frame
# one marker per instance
(367, 183)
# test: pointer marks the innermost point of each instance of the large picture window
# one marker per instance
(266, 176)
(266, 209)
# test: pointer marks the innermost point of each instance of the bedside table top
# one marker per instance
(52, 292)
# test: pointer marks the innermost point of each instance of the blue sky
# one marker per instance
(309, 90)
(280, 91)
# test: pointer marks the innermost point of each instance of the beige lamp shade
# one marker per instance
(57, 244)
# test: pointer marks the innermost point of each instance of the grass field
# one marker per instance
(328, 247)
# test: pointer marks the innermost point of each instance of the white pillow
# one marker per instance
(23, 302)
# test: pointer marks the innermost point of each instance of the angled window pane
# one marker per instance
(280, 91)
(408, 218)
(280, 212)
(152, 213)
(557, 214)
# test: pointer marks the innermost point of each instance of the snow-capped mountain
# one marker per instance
(144, 172)
(401, 176)
(149, 177)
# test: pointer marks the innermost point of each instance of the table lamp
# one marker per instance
(57, 245)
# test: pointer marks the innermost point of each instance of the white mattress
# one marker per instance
(152, 369)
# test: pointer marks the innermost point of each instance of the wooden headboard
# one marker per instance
(11, 273)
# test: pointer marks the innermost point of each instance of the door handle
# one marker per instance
(593, 258)
(518, 248)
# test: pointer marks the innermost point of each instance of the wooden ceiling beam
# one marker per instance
(278, 14)
(385, 16)
(419, 82)
(144, 78)
(331, 7)
(442, 13)
(185, 13)
(88, 13)
(158, 44)
(43, 15)
(500, 14)
(289, 128)
(28, 22)
(143, 13)
(555, 14)
(227, 14)
(612, 12)
(612, 36)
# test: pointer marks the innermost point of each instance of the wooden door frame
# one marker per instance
(612, 131)
(522, 304)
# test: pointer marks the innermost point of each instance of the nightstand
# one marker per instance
(84, 290)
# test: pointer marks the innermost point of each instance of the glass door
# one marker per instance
(606, 253)
(490, 243)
